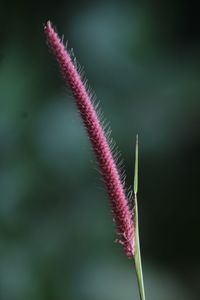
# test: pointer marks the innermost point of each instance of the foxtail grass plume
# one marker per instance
(122, 212)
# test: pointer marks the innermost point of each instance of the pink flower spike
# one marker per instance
(123, 214)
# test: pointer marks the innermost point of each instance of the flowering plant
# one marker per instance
(125, 217)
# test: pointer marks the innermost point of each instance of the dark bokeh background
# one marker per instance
(56, 233)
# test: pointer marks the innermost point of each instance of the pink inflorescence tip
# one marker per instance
(123, 214)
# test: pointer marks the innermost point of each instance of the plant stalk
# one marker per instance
(137, 256)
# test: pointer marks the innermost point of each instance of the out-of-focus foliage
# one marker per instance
(56, 231)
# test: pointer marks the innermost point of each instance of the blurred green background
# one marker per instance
(142, 58)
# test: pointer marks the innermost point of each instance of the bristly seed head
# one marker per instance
(123, 214)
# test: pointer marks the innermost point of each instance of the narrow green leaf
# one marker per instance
(136, 167)
(137, 257)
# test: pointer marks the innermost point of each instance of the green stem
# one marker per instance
(137, 256)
